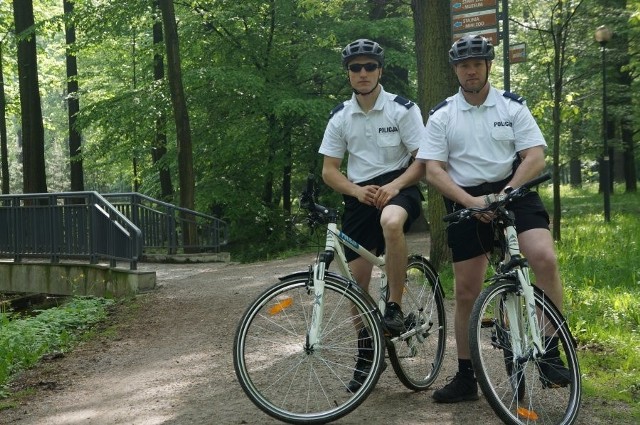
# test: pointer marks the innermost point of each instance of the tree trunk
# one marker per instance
(183, 130)
(34, 175)
(4, 154)
(558, 54)
(75, 139)
(432, 22)
(160, 146)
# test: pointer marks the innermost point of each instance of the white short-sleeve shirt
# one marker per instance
(479, 143)
(377, 142)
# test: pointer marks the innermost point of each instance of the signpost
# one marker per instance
(474, 17)
(518, 53)
(481, 17)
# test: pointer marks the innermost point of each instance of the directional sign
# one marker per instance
(518, 53)
(463, 6)
(468, 22)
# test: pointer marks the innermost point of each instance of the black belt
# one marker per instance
(383, 179)
(487, 188)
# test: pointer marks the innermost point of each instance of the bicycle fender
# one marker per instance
(336, 276)
(432, 269)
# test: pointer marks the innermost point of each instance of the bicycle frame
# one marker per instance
(335, 239)
(513, 264)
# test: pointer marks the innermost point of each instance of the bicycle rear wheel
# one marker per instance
(417, 354)
(517, 387)
(290, 380)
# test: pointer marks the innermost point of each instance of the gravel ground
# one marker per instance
(167, 360)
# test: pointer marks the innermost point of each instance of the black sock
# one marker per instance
(465, 368)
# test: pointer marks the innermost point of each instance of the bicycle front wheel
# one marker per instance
(417, 354)
(286, 377)
(520, 388)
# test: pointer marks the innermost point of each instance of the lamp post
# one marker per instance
(603, 36)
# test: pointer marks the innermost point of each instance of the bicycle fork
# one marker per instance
(513, 308)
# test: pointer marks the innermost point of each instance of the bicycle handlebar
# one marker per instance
(502, 200)
(308, 200)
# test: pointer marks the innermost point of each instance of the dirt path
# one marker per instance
(168, 361)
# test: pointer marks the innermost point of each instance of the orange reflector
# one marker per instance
(527, 414)
(281, 305)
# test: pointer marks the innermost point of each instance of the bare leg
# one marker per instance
(537, 247)
(392, 220)
(469, 276)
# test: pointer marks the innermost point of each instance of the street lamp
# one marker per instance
(603, 36)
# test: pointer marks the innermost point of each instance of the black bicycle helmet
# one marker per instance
(471, 46)
(363, 47)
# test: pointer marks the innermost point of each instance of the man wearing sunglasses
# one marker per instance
(381, 133)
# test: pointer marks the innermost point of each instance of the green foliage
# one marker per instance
(24, 340)
(601, 275)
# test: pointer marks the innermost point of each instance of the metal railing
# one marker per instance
(162, 224)
(67, 225)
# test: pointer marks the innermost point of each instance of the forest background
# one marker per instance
(220, 106)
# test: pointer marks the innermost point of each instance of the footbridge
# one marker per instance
(85, 243)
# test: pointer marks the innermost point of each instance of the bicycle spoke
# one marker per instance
(518, 389)
(287, 378)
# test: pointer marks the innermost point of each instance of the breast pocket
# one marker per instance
(503, 134)
(388, 140)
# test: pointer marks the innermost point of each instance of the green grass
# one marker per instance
(24, 340)
(600, 267)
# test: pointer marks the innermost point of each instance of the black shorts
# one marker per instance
(470, 238)
(361, 222)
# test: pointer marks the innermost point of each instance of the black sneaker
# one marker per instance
(553, 373)
(461, 388)
(364, 360)
(394, 319)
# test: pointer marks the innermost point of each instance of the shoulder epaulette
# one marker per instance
(404, 102)
(438, 106)
(514, 96)
(336, 109)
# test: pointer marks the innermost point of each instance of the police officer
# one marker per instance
(381, 132)
(472, 139)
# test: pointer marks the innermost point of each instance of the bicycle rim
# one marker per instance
(293, 382)
(515, 388)
(417, 354)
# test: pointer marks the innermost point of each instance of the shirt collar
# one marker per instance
(490, 101)
(376, 107)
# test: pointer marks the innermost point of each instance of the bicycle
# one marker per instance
(513, 315)
(293, 348)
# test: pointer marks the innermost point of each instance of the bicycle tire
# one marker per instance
(417, 357)
(502, 387)
(298, 384)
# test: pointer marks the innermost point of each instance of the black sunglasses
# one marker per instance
(369, 67)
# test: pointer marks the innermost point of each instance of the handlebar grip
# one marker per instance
(537, 181)
(450, 217)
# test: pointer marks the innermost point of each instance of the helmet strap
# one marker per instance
(367, 93)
